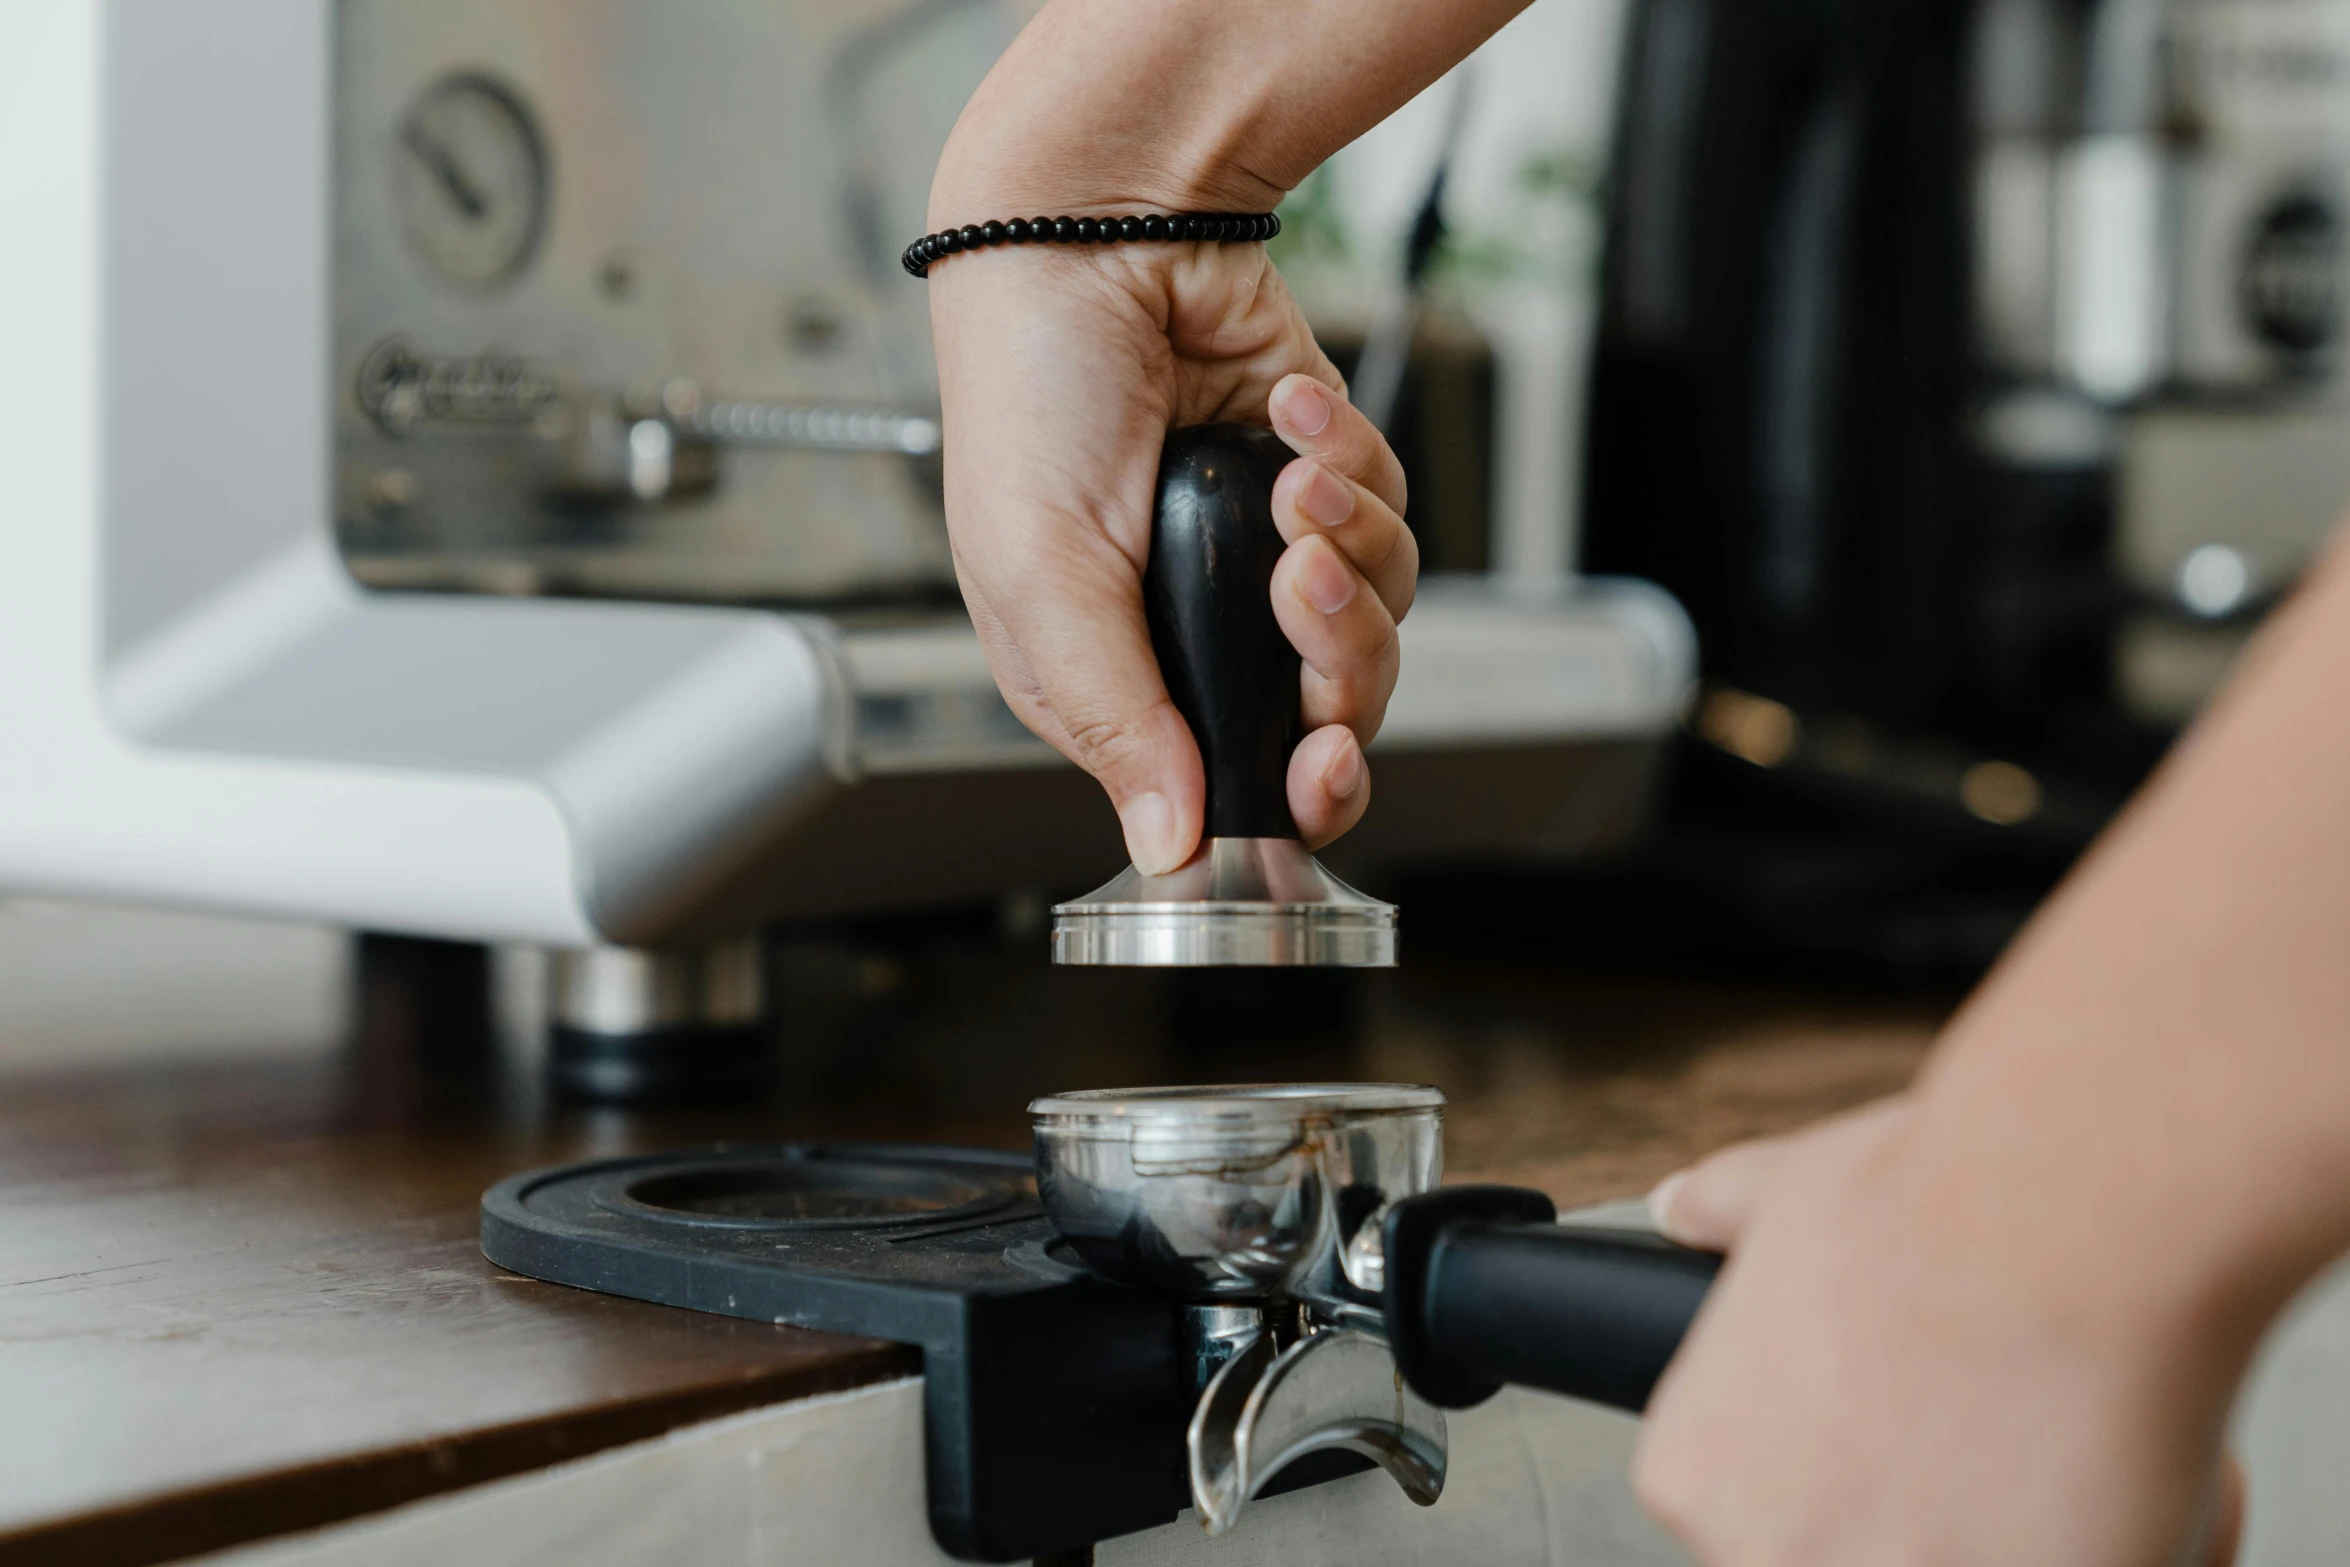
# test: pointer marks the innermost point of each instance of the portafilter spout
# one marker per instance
(1336, 1297)
(1245, 1204)
(1251, 894)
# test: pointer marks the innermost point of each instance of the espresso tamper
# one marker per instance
(1252, 894)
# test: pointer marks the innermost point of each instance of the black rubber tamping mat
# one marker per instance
(1055, 1401)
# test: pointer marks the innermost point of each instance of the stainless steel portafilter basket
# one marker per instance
(1258, 1207)
(1231, 1194)
(1333, 1296)
(1252, 894)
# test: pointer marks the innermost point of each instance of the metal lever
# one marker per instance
(1268, 1407)
(669, 447)
(746, 421)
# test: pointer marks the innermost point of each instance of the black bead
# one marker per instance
(1212, 227)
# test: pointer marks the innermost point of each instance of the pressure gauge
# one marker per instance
(469, 174)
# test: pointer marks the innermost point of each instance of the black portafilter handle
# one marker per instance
(1208, 596)
(1484, 1287)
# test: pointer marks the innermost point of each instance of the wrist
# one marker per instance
(1111, 106)
(1007, 160)
(1992, 1272)
(2109, 1222)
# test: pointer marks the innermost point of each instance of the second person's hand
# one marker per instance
(1881, 1376)
(1060, 373)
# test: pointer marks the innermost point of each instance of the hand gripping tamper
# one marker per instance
(1252, 894)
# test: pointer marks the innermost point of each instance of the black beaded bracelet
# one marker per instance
(1215, 227)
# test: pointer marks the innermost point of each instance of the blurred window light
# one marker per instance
(1752, 728)
(2000, 793)
(2214, 581)
(2041, 428)
(2110, 282)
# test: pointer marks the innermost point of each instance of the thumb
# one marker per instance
(1106, 708)
(1708, 1204)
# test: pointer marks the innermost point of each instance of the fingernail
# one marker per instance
(1326, 581)
(1149, 824)
(1344, 773)
(1324, 497)
(1660, 1201)
(1302, 405)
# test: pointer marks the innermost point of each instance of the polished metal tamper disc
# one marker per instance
(1239, 901)
(1252, 894)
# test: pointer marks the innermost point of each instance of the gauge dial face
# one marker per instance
(469, 173)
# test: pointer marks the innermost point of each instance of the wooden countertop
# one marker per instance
(241, 1298)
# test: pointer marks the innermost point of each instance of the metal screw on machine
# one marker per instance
(1334, 1297)
(1252, 895)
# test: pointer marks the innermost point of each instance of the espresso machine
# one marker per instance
(1971, 370)
(479, 477)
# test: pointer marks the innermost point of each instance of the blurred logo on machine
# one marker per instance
(2292, 280)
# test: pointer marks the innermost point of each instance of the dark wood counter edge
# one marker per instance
(243, 1512)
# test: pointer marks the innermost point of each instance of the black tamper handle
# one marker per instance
(1208, 596)
(1485, 1288)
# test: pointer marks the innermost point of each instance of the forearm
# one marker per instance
(2154, 1086)
(1215, 105)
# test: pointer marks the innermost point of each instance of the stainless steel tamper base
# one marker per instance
(1261, 902)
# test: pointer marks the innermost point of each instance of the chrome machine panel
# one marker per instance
(617, 304)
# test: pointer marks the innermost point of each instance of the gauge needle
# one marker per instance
(443, 163)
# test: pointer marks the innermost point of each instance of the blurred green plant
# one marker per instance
(1315, 232)
(1570, 177)
(1313, 229)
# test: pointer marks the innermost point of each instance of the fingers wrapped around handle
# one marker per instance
(1208, 597)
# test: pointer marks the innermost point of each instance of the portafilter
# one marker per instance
(1335, 1296)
